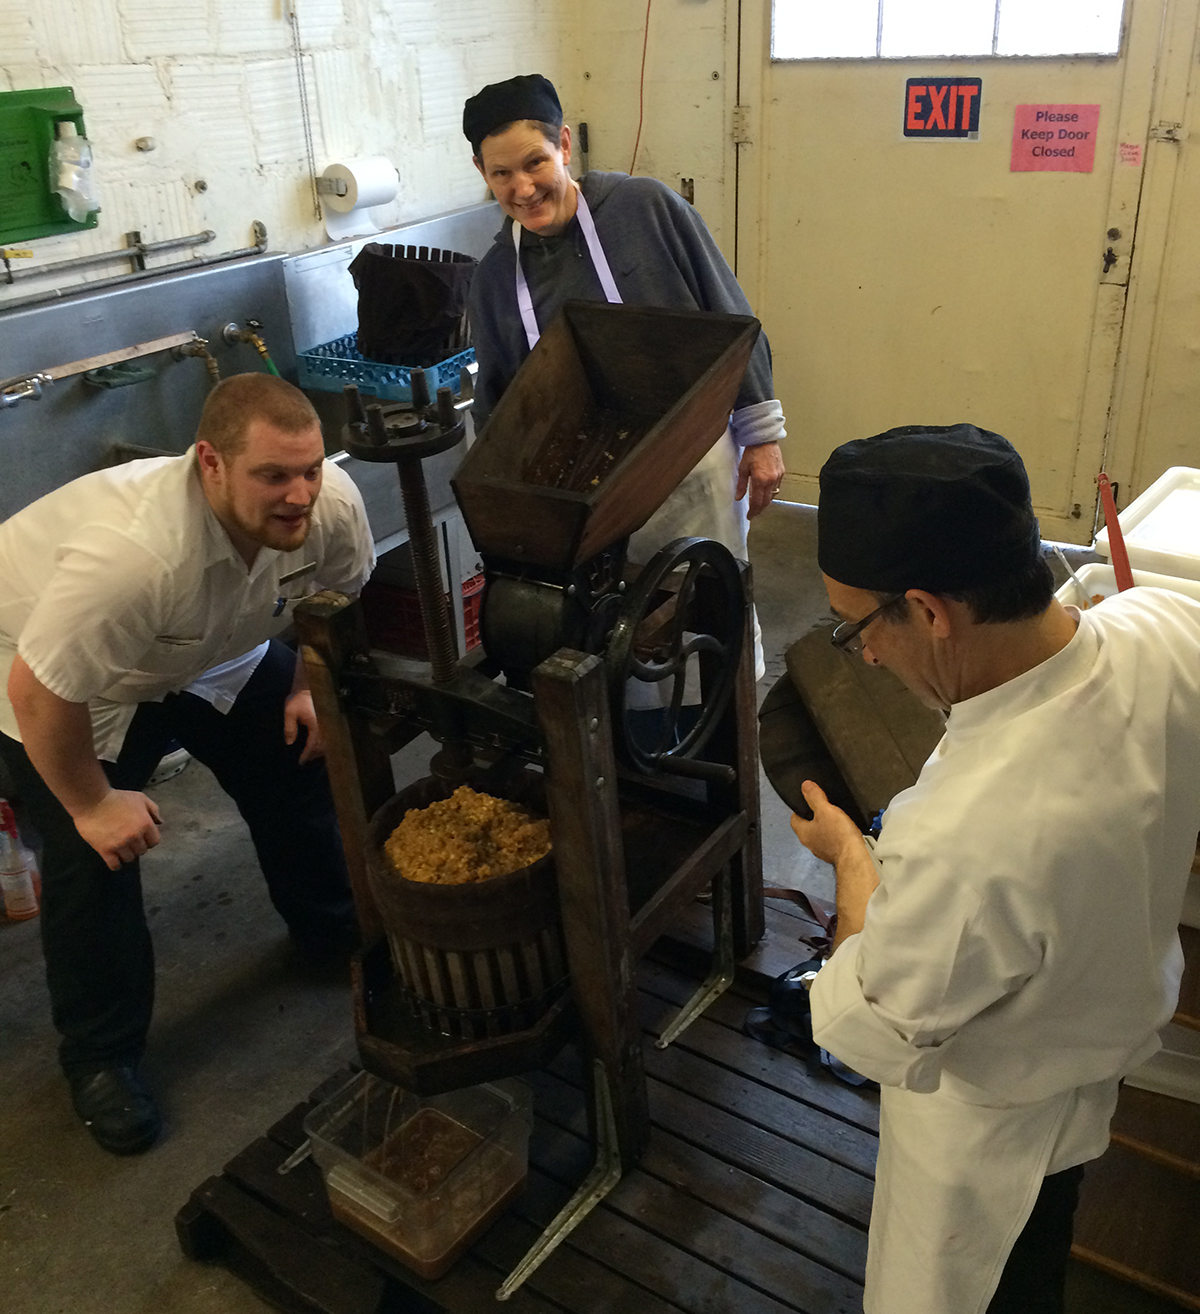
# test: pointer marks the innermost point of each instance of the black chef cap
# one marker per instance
(529, 96)
(925, 507)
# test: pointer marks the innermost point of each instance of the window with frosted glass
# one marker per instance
(899, 29)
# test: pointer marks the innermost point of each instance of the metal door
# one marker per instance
(1156, 415)
(911, 281)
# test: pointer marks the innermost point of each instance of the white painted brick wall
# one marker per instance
(248, 29)
(79, 34)
(153, 29)
(16, 34)
(209, 104)
(214, 83)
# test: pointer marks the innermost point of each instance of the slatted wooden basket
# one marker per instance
(476, 960)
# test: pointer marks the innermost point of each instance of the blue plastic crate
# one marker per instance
(329, 367)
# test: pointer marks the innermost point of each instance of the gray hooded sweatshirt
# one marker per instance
(660, 252)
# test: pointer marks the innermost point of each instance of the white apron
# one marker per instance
(702, 506)
(954, 1186)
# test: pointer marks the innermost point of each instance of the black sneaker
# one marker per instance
(117, 1108)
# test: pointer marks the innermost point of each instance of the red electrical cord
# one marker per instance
(642, 87)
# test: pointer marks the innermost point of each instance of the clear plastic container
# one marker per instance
(20, 888)
(422, 1178)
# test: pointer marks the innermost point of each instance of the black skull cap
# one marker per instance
(941, 508)
(529, 96)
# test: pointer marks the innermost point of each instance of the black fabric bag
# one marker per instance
(412, 303)
(786, 1024)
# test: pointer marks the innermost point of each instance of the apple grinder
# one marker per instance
(610, 411)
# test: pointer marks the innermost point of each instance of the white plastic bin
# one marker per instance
(1162, 526)
(1099, 578)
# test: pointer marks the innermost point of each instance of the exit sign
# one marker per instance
(942, 107)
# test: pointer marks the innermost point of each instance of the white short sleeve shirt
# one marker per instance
(122, 586)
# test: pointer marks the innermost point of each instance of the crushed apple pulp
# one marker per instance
(465, 838)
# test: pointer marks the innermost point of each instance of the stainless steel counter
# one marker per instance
(301, 300)
(73, 427)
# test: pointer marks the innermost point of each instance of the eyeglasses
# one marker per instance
(845, 638)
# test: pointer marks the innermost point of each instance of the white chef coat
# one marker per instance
(1021, 951)
(122, 586)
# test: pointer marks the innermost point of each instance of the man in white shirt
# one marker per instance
(137, 608)
(1007, 948)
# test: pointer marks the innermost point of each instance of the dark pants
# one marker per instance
(99, 958)
(1036, 1272)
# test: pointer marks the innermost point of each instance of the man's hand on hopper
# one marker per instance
(121, 826)
(834, 838)
(761, 471)
(299, 711)
(830, 834)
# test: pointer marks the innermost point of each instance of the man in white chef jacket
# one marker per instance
(1007, 947)
(139, 605)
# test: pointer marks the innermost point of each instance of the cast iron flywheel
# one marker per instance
(685, 614)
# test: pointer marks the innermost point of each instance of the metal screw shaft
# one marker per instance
(422, 537)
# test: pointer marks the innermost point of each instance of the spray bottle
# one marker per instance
(16, 880)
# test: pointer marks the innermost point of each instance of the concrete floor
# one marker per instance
(240, 1035)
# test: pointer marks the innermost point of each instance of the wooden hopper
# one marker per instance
(609, 412)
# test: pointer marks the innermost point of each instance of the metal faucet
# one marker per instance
(233, 333)
(18, 389)
(199, 347)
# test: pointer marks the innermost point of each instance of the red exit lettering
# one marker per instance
(945, 107)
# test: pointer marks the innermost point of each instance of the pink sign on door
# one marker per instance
(1055, 137)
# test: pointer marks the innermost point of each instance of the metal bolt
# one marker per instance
(145, 143)
(599, 782)
(594, 724)
(1076, 511)
(1114, 234)
(200, 185)
(716, 77)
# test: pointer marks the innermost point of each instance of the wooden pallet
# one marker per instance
(753, 1197)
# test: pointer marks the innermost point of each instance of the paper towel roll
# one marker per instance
(370, 181)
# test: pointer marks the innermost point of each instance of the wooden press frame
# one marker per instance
(586, 795)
